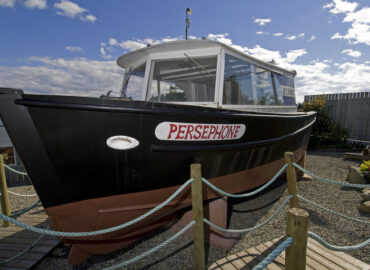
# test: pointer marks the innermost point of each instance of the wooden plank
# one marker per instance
(357, 156)
(225, 265)
(257, 257)
(14, 239)
(27, 241)
(279, 259)
(322, 260)
(332, 257)
(11, 268)
(22, 263)
(318, 258)
(356, 262)
(266, 251)
(236, 261)
(246, 258)
(31, 255)
(310, 264)
(22, 233)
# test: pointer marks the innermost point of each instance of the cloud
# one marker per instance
(262, 22)
(290, 37)
(359, 30)
(39, 4)
(312, 37)
(361, 16)
(104, 54)
(72, 10)
(352, 53)
(340, 6)
(301, 35)
(277, 34)
(129, 45)
(7, 3)
(88, 18)
(292, 55)
(261, 33)
(47, 75)
(73, 48)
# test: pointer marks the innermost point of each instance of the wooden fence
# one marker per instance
(351, 110)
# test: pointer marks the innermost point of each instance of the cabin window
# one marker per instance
(133, 83)
(238, 86)
(264, 87)
(279, 91)
(247, 84)
(183, 80)
(285, 88)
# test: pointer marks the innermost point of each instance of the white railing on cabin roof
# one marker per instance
(342, 96)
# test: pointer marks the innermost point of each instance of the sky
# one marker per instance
(70, 47)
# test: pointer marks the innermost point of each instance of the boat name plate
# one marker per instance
(174, 131)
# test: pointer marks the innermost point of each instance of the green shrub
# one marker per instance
(325, 131)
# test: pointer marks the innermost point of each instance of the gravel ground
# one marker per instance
(245, 213)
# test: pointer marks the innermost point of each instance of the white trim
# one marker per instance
(146, 78)
(220, 78)
(204, 104)
(260, 108)
(181, 54)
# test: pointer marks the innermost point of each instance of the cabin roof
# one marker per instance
(129, 59)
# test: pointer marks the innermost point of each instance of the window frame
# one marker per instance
(175, 55)
(255, 63)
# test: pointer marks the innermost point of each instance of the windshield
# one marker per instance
(183, 80)
(133, 83)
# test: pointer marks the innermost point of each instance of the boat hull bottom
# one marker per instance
(100, 213)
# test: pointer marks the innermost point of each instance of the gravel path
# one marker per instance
(245, 213)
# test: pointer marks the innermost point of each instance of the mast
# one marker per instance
(187, 21)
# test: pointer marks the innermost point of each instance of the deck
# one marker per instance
(318, 258)
(14, 239)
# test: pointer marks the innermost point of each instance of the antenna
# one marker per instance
(187, 21)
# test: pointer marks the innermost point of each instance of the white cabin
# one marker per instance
(206, 73)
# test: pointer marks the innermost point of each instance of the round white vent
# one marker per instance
(121, 142)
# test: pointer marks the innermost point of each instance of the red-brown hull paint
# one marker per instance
(100, 213)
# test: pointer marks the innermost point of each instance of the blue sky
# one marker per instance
(70, 47)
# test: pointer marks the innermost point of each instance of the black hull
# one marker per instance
(62, 143)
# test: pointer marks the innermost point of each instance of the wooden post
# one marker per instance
(292, 180)
(5, 206)
(297, 227)
(198, 228)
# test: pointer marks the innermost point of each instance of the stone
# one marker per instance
(365, 194)
(365, 207)
(355, 176)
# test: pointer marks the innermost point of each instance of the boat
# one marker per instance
(97, 162)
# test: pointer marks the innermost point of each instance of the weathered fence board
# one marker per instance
(351, 110)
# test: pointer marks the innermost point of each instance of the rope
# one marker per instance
(92, 233)
(328, 181)
(274, 254)
(331, 211)
(338, 248)
(146, 253)
(246, 194)
(23, 251)
(25, 210)
(14, 170)
(22, 195)
(252, 228)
